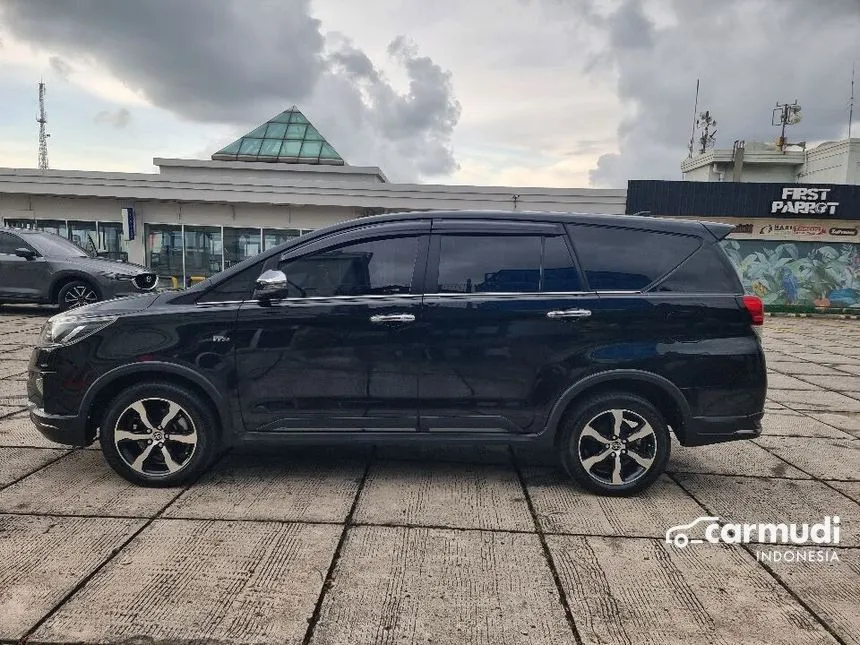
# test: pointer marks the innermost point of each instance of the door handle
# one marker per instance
(387, 318)
(568, 313)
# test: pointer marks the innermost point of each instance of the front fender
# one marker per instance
(159, 368)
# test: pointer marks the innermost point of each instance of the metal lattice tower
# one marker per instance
(43, 135)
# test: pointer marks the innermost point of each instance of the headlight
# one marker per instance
(66, 329)
(112, 275)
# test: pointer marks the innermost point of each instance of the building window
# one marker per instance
(111, 244)
(274, 236)
(164, 253)
(85, 235)
(203, 253)
(239, 244)
(56, 226)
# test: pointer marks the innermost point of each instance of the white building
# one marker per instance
(833, 162)
(195, 217)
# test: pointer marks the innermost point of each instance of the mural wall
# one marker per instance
(811, 274)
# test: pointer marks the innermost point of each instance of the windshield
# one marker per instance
(54, 246)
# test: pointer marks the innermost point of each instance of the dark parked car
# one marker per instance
(590, 335)
(43, 268)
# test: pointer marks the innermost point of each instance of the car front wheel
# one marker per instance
(76, 294)
(158, 435)
(615, 444)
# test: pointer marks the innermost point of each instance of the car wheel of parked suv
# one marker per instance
(615, 444)
(158, 434)
(76, 294)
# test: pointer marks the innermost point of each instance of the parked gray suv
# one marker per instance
(43, 268)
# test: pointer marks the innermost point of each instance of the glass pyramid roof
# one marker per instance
(287, 138)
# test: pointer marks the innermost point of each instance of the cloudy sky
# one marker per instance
(511, 92)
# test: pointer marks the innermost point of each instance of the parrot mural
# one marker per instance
(789, 286)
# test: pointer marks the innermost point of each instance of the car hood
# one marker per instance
(105, 265)
(117, 306)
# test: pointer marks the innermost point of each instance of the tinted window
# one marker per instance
(708, 271)
(559, 271)
(618, 259)
(9, 242)
(480, 264)
(367, 268)
(237, 287)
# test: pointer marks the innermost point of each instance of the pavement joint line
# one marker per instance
(562, 594)
(748, 550)
(805, 413)
(83, 582)
(826, 482)
(335, 558)
(799, 377)
(705, 472)
(35, 470)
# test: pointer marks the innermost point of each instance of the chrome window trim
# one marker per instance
(480, 294)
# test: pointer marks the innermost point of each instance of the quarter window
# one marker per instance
(378, 267)
(619, 259)
(9, 242)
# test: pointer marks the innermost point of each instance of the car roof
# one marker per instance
(681, 226)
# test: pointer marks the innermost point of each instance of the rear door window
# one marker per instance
(620, 259)
(489, 264)
(505, 264)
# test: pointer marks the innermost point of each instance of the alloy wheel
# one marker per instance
(79, 296)
(155, 437)
(617, 447)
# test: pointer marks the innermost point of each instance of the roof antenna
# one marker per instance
(43, 135)
(693, 129)
(851, 102)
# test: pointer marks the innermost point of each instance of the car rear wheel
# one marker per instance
(76, 294)
(615, 444)
(158, 435)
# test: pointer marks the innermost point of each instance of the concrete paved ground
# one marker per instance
(429, 545)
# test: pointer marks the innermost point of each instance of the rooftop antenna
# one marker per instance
(706, 139)
(851, 102)
(693, 129)
(785, 114)
(43, 136)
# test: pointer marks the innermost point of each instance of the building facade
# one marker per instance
(795, 245)
(196, 217)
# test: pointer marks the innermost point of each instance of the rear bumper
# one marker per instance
(70, 430)
(702, 431)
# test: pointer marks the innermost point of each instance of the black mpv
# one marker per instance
(591, 335)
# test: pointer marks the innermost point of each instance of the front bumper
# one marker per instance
(70, 430)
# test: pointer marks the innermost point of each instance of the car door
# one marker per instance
(506, 323)
(20, 278)
(339, 350)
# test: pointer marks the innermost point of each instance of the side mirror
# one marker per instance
(27, 254)
(272, 283)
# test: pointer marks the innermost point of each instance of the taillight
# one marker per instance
(754, 305)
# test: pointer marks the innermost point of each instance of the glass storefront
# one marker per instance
(240, 243)
(85, 235)
(273, 236)
(185, 255)
(164, 253)
(203, 253)
(98, 238)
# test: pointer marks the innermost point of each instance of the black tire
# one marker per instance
(581, 448)
(76, 294)
(193, 420)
